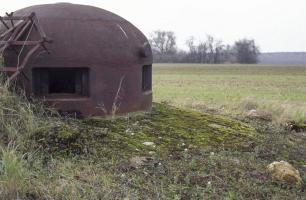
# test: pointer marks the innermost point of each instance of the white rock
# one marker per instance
(255, 114)
(148, 143)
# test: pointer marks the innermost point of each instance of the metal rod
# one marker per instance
(24, 63)
(15, 18)
(14, 33)
(11, 29)
(8, 69)
(16, 30)
(38, 27)
(10, 16)
(23, 30)
(18, 43)
(4, 23)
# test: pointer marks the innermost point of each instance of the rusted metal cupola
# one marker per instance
(78, 58)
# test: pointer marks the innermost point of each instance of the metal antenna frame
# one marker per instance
(16, 27)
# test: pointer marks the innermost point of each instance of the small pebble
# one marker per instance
(148, 143)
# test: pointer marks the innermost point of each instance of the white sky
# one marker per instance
(276, 25)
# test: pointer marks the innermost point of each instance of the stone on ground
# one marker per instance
(255, 114)
(283, 171)
(137, 162)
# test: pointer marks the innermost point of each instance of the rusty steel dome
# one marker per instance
(99, 63)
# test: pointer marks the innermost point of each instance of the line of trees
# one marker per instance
(210, 50)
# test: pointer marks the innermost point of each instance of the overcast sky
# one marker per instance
(276, 25)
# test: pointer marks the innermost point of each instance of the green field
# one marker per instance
(200, 148)
(280, 90)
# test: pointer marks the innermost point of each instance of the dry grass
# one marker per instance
(280, 90)
(13, 173)
(196, 155)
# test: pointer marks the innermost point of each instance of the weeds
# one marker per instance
(116, 101)
(281, 113)
(17, 115)
(117, 98)
(13, 174)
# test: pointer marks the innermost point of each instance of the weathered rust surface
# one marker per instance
(113, 50)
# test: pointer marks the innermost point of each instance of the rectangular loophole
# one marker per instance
(66, 81)
(147, 78)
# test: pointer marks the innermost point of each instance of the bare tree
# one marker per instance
(219, 52)
(202, 52)
(210, 50)
(193, 51)
(229, 55)
(163, 42)
(246, 51)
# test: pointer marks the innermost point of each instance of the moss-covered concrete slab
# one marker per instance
(166, 129)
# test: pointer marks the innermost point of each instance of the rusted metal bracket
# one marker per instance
(17, 27)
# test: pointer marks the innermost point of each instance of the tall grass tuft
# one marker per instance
(13, 173)
(19, 119)
(18, 116)
(281, 112)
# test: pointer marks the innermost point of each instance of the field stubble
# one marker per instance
(234, 89)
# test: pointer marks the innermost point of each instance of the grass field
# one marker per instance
(169, 153)
(280, 90)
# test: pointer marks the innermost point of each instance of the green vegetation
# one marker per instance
(188, 154)
(234, 89)
(13, 173)
(1, 61)
(170, 130)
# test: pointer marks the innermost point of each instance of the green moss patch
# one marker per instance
(166, 129)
